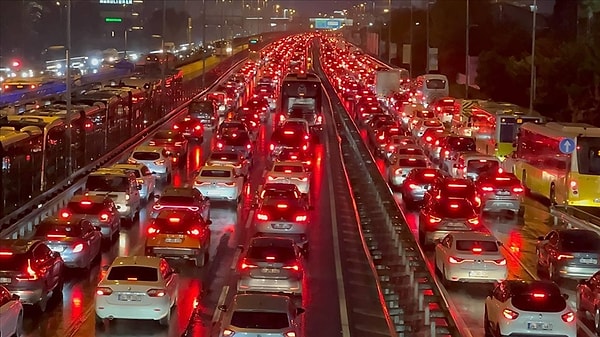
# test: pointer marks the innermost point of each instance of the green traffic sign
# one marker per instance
(113, 19)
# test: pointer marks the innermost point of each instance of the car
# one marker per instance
(290, 172)
(438, 217)
(447, 187)
(219, 182)
(430, 136)
(307, 113)
(239, 163)
(11, 311)
(470, 257)
(450, 147)
(380, 137)
(396, 142)
(185, 198)
(99, 210)
(273, 265)
(250, 118)
(144, 177)
(260, 106)
(173, 141)
(434, 148)
(283, 138)
(235, 141)
(568, 253)
(285, 217)
(404, 151)
(263, 314)
(77, 241)
(472, 164)
(588, 299)
(179, 234)
(297, 124)
(499, 191)
(31, 270)
(137, 287)
(528, 308)
(445, 108)
(230, 126)
(399, 168)
(424, 124)
(204, 111)
(416, 184)
(190, 128)
(295, 155)
(156, 158)
(121, 186)
(278, 190)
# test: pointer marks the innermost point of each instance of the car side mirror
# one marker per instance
(222, 307)
(56, 254)
(565, 296)
(15, 297)
(300, 311)
(97, 228)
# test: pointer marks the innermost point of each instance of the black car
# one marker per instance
(204, 111)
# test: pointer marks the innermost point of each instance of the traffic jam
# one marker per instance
(186, 200)
(451, 192)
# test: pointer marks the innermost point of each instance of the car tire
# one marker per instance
(422, 239)
(447, 283)
(166, 320)
(200, 260)
(552, 275)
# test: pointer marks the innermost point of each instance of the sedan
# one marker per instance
(11, 311)
(290, 172)
(137, 287)
(219, 182)
(191, 128)
(144, 177)
(220, 158)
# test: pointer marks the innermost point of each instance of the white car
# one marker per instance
(11, 314)
(472, 164)
(144, 177)
(155, 158)
(470, 257)
(528, 308)
(402, 165)
(219, 182)
(290, 172)
(137, 287)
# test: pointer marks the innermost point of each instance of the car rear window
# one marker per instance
(215, 173)
(58, 230)
(236, 139)
(538, 298)
(580, 241)
(146, 155)
(461, 143)
(85, 207)
(167, 135)
(455, 208)
(288, 169)
(411, 162)
(410, 151)
(282, 254)
(107, 183)
(459, 190)
(173, 226)
(482, 165)
(133, 273)
(259, 320)
(468, 245)
(176, 200)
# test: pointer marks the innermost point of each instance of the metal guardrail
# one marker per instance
(575, 217)
(51, 201)
(412, 296)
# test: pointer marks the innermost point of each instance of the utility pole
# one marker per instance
(412, 23)
(467, 53)
(427, 23)
(68, 93)
(389, 33)
(204, 43)
(164, 55)
(532, 82)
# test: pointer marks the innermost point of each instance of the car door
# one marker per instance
(149, 179)
(8, 312)
(442, 251)
(495, 302)
(170, 278)
(551, 247)
(92, 237)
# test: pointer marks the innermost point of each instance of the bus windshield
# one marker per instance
(588, 155)
(509, 127)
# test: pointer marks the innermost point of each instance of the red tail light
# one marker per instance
(103, 291)
(246, 265)
(262, 216)
(538, 295)
(473, 221)
(151, 143)
(272, 147)
(304, 147)
(195, 231)
(433, 220)
(428, 139)
(295, 267)
(103, 217)
(197, 127)
(178, 143)
(477, 250)
(568, 317)
(518, 189)
(248, 146)
(65, 214)
(487, 188)
(29, 274)
(156, 292)
(219, 145)
(176, 127)
(500, 262)
(56, 236)
(413, 186)
(152, 230)
(455, 260)
(301, 218)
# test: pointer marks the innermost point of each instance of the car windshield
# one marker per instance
(436, 84)
(479, 166)
(58, 230)
(146, 155)
(288, 169)
(471, 245)
(13, 262)
(461, 143)
(259, 320)
(133, 273)
(85, 207)
(411, 162)
(215, 173)
(107, 183)
(538, 297)
(580, 241)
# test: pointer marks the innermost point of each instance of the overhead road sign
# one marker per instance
(117, 20)
(324, 23)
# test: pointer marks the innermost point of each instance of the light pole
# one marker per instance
(427, 39)
(410, 61)
(204, 42)
(532, 81)
(389, 37)
(467, 53)
(164, 54)
(68, 93)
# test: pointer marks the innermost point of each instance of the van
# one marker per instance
(121, 186)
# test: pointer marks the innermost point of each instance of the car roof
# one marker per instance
(261, 302)
(473, 235)
(148, 148)
(522, 286)
(73, 219)
(272, 241)
(17, 246)
(288, 163)
(150, 261)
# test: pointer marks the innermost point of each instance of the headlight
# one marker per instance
(229, 49)
(94, 61)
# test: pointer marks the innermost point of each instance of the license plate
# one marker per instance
(5, 280)
(456, 225)
(58, 249)
(129, 298)
(20, 87)
(281, 226)
(270, 271)
(503, 193)
(478, 273)
(588, 261)
(173, 240)
(539, 326)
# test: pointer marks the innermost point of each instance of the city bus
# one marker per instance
(223, 48)
(495, 126)
(560, 161)
(429, 87)
(301, 96)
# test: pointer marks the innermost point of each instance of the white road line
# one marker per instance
(250, 217)
(217, 314)
(336, 252)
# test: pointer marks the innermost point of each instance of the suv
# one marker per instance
(182, 198)
(30, 269)
(121, 186)
(99, 210)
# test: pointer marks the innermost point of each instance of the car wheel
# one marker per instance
(200, 260)
(165, 320)
(552, 274)
(597, 321)
(447, 283)
(486, 325)
(422, 239)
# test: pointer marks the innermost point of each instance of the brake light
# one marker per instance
(564, 257)
(271, 178)
(282, 206)
(78, 248)
(454, 206)
(174, 220)
(500, 262)
(433, 219)
(457, 185)
(248, 146)
(272, 147)
(156, 292)
(65, 214)
(219, 145)
(477, 250)
(289, 334)
(381, 137)
(487, 188)
(262, 216)
(319, 119)
(152, 230)
(152, 143)
(538, 295)
(473, 221)
(103, 291)
(195, 231)
(455, 260)
(56, 236)
(428, 139)
(304, 147)
(86, 202)
(295, 267)
(103, 217)
(178, 143)
(518, 189)
(477, 201)
(197, 127)
(301, 218)
(509, 314)
(6, 253)
(568, 317)
(29, 275)
(175, 127)
(245, 265)
(413, 186)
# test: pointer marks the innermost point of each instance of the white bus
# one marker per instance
(428, 87)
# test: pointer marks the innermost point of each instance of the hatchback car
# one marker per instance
(182, 198)
(588, 299)
(235, 141)
(144, 177)
(401, 167)
(77, 241)
(179, 234)
(204, 111)
(271, 264)
(11, 309)
(439, 217)
(416, 184)
(500, 191)
(286, 217)
(528, 308)
(99, 210)
(191, 128)
(31, 270)
(290, 172)
(219, 182)
(264, 315)
(173, 141)
(137, 287)
(156, 158)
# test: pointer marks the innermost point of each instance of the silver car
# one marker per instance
(235, 141)
(273, 265)
(284, 217)
(399, 169)
(262, 315)
(500, 191)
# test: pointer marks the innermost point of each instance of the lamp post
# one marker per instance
(68, 93)
(427, 38)
(532, 80)
(389, 37)
(204, 42)
(164, 54)
(410, 64)
(467, 53)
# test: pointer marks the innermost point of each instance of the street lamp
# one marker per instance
(532, 80)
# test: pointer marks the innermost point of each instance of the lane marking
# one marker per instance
(217, 314)
(336, 251)
(250, 217)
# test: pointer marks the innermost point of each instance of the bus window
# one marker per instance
(588, 155)
(436, 84)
